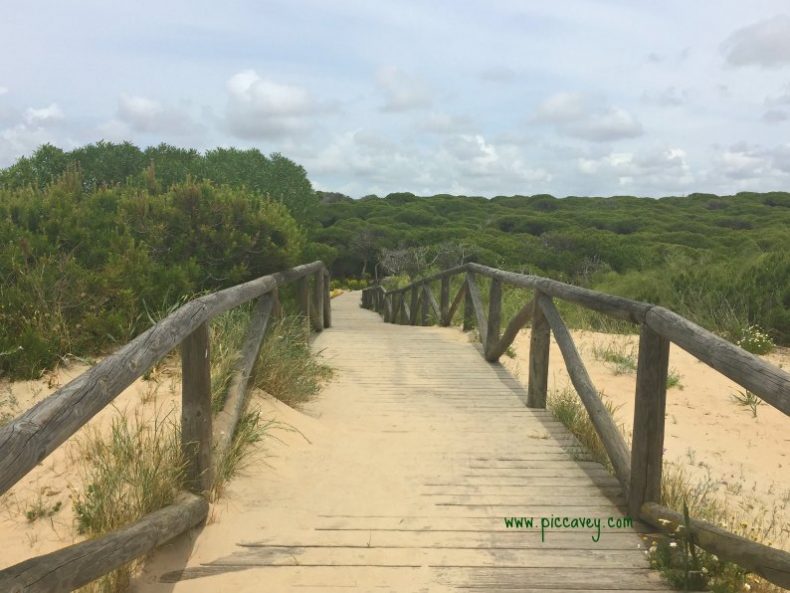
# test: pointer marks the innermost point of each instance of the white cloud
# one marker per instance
(3, 90)
(443, 123)
(580, 116)
(148, 116)
(462, 163)
(44, 116)
(402, 92)
(765, 43)
(613, 124)
(667, 97)
(660, 170)
(262, 108)
(562, 108)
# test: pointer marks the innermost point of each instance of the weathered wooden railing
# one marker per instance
(638, 470)
(29, 438)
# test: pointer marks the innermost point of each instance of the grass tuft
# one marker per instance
(250, 430)
(566, 407)
(133, 471)
(286, 367)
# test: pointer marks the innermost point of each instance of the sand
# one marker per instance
(706, 433)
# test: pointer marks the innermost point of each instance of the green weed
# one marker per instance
(747, 399)
(286, 367)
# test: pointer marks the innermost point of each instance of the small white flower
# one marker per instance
(673, 544)
(747, 587)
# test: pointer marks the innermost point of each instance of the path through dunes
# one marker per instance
(418, 450)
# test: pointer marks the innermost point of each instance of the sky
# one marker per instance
(502, 97)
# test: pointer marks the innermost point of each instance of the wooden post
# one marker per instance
(327, 301)
(647, 444)
(415, 295)
(444, 302)
(387, 308)
(277, 306)
(425, 307)
(539, 342)
(469, 309)
(196, 435)
(303, 298)
(494, 321)
(317, 312)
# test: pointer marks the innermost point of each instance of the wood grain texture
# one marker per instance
(520, 319)
(449, 451)
(317, 304)
(29, 438)
(477, 305)
(456, 302)
(196, 414)
(444, 299)
(327, 300)
(607, 430)
(647, 443)
(539, 346)
(765, 380)
(769, 563)
(224, 424)
(79, 564)
(491, 344)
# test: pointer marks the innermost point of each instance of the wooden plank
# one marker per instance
(647, 443)
(196, 435)
(604, 425)
(317, 306)
(477, 305)
(770, 563)
(614, 306)
(303, 300)
(469, 308)
(327, 300)
(508, 578)
(539, 346)
(519, 320)
(415, 297)
(224, 424)
(431, 299)
(494, 321)
(32, 436)
(765, 380)
(425, 305)
(444, 297)
(79, 564)
(456, 302)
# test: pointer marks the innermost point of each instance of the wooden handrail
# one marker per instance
(34, 434)
(639, 470)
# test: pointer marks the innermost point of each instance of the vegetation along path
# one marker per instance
(411, 461)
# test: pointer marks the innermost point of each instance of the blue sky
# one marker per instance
(573, 97)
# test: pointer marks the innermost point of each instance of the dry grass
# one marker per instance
(286, 367)
(133, 471)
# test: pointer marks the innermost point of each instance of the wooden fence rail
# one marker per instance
(32, 436)
(638, 469)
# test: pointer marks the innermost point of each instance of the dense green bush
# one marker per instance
(85, 269)
(721, 261)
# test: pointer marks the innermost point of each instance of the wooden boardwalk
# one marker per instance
(426, 449)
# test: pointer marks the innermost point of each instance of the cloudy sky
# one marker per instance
(570, 97)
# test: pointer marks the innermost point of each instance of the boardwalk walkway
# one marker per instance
(420, 450)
